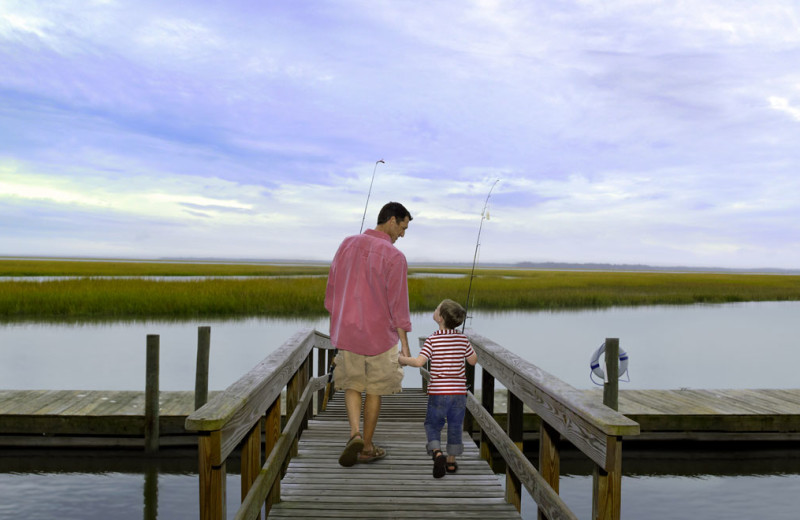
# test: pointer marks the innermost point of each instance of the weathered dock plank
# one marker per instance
(399, 486)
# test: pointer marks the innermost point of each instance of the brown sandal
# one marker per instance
(371, 456)
(352, 450)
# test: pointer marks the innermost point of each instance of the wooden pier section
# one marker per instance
(72, 418)
(75, 418)
(399, 486)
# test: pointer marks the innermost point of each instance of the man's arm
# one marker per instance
(404, 342)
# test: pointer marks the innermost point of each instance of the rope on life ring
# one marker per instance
(598, 371)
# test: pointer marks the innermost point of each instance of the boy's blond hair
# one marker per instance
(452, 313)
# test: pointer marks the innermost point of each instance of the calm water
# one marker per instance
(752, 345)
(747, 345)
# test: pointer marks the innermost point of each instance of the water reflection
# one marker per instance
(79, 484)
(711, 484)
(151, 493)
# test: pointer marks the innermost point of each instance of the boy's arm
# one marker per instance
(418, 361)
(472, 359)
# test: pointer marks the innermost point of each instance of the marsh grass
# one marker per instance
(493, 290)
(102, 298)
(23, 267)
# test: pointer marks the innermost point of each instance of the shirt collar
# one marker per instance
(445, 331)
(378, 234)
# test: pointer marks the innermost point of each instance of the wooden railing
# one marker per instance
(234, 419)
(237, 417)
(595, 429)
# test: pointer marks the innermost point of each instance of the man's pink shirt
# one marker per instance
(371, 276)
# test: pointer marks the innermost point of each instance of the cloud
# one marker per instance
(647, 132)
(782, 105)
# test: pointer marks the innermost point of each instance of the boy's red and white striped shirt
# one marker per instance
(446, 350)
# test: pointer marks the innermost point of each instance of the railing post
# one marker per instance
(487, 401)
(330, 388)
(272, 432)
(308, 374)
(293, 390)
(468, 419)
(251, 459)
(607, 484)
(611, 386)
(212, 478)
(201, 371)
(549, 459)
(514, 427)
(321, 370)
(151, 411)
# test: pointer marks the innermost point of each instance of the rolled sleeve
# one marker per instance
(397, 289)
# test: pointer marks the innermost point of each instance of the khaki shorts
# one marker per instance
(376, 375)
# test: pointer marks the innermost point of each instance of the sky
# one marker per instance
(664, 133)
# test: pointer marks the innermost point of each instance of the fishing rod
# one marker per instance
(370, 193)
(484, 215)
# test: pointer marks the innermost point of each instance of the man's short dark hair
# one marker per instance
(393, 209)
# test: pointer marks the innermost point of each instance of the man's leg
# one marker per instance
(372, 409)
(349, 456)
(352, 399)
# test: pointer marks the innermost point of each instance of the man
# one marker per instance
(367, 297)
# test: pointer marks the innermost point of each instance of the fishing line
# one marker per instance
(484, 216)
(370, 193)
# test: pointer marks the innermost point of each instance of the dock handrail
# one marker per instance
(595, 429)
(586, 424)
(234, 417)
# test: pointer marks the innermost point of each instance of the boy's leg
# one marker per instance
(434, 421)
(455, 426)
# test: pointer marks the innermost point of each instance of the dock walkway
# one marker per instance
(399, 486)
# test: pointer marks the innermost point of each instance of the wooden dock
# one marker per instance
(53, 418)
(398, 486)
(697, 415)
(713, 415)
(62, 418)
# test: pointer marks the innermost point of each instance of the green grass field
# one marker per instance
(293, 291)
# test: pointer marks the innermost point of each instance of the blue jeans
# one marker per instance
(443, 408)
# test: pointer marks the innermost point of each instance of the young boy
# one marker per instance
(447, 390)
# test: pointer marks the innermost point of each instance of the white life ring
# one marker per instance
(597, 370)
